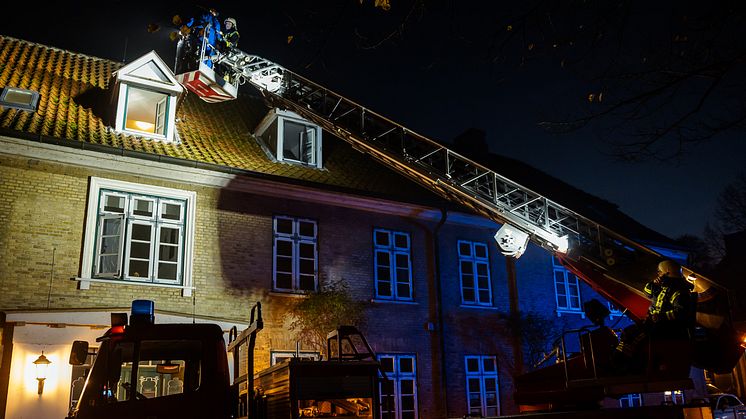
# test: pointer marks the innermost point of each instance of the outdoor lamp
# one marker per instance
(41, 364)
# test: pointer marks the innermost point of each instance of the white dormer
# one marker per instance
(147, 91)
(290, 138)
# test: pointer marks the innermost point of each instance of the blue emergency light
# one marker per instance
(142, 312)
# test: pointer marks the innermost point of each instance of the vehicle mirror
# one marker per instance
(167, 368)
(79, 352)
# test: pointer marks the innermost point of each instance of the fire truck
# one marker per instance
(616, 266)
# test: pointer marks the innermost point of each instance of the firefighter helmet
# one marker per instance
(231, 21)
(669, 268)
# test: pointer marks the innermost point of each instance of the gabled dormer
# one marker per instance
(290, 138)
(146, 92)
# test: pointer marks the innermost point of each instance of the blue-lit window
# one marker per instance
(482, 394)
(398, 394)
(631, 400)
(474, 271)
(566, 288)
(392, 264)
(295, 255)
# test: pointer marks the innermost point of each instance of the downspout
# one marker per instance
(439, 310)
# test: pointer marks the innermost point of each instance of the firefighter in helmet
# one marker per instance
(671, 314)
(230, 35)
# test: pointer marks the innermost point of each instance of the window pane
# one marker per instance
(168, 254)
(141, 232)
(403, 291)
(406, 365)
(284, 226)
(382, 258)
(296, 142)
(464, 249)
(307, 266)
(381, 238)
(401, 241)
(402, 261)
(140, 250)
(167, 271)
(110, 244)
(407, 402)
(114, 203)
(284, 248)
(284, 280)
(169, 235)
(480, 251)
(306, 250)
(384, 273)
(171, 211)
(307, 283)
(307, 229)
(141, 112)
(467, 280)
(472, 364)
(387, 364)
(407, 387)
(484, 296)
(490, 384)
(474, 385)
(488, 364)
(469, 295)
(384, 289)
(139, 268)
(483, 282)
(482, 269)
(143, 207)
(284, 264)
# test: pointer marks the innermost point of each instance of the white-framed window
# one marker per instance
(295, 254)
(392, 265)
(398, 392)
(631, 400)
(138, 233)
(566, 289)
(290, 138)
(474, 271)
(146, 104)
(674, 397)
(281, 356)
(482, 393)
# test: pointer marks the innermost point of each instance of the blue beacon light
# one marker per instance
(142, 312)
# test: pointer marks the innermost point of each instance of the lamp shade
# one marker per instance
(41, 364)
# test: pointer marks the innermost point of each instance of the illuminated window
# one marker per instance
(482, 393)
(474, 271)
(147, 93)
(393, 265)
(399, 392)
(566, 289)
(146, 111)
(290, 138)
(139, 233)
(631, 400)
(23, 99)
(295, 255)
(673, 397)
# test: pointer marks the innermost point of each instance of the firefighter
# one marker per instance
(670, 316)
(230, 35)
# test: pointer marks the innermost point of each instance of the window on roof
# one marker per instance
(139, 234)
(146, 111)
(16, 98)
(290, 138)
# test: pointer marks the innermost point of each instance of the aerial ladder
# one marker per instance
(614, 265)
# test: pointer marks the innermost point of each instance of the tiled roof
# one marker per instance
(75, 103)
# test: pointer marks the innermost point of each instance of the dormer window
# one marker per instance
(290, 138)
(147, 93)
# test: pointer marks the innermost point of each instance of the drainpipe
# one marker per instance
(439, 309)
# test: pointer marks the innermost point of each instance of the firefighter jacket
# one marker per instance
(231, 37)
(672, 300)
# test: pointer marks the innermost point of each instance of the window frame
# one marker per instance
(631, 400)
(277, 150)
(482, 376)
(100, 188)
(167, 125)
(475, 261)
(557, 268)
(397, 376)
(392, 250)
(296, 240)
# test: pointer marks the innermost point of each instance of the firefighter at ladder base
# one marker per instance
(671, 316)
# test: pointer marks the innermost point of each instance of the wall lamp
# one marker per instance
(41, 365)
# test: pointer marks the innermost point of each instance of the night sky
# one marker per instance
(435, 71)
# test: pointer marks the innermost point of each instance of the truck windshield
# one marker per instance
(153, 368)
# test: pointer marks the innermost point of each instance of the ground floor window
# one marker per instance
(673, 397)
(631, 400)
(481, 385)
(399, 389)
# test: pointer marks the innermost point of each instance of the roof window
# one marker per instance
(17, 98)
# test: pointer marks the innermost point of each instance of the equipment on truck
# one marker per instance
(149, 370)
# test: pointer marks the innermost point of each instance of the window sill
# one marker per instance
(288, 294)
(478, 307)
(410, 303)
(85, 283)
(561, 311)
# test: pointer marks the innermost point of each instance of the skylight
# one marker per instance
(16, 98)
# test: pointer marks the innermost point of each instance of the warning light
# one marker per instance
(142, 312)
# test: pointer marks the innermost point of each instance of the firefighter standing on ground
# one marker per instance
(670, 316)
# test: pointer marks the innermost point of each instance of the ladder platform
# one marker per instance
(207, 85)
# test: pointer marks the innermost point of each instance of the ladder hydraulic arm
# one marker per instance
(614, 265)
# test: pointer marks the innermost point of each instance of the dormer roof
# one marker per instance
(150, 71)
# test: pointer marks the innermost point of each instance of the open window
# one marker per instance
(290, 138)
(147, 93)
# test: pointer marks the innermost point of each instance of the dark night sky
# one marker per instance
(433, 78)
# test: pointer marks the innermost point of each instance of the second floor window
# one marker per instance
(566, 288)
(474, 270)
(295, 255)
(393, 265)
